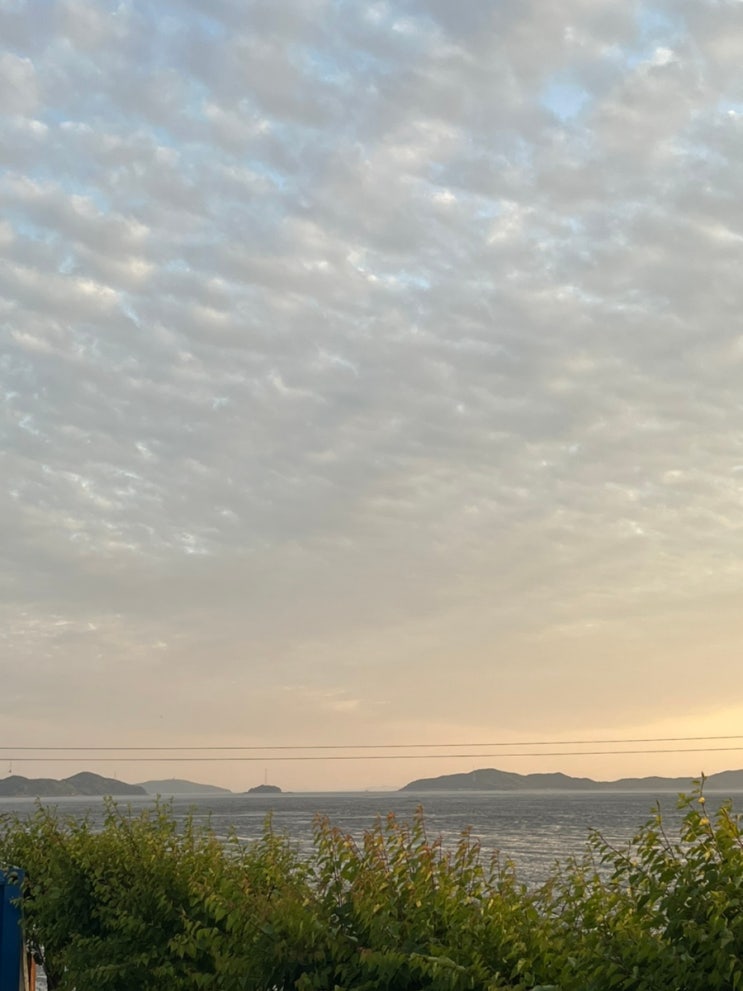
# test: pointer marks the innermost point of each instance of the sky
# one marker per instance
(370, 374)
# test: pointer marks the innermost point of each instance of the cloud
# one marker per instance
(348, 346)
(18, 83)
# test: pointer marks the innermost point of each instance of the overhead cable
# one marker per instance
(306, 757)
(372, 746)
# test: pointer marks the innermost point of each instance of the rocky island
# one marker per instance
(83, 784)
(491, 779)
(177, 786)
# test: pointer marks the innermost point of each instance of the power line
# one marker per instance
(379, 746)
(305, 757)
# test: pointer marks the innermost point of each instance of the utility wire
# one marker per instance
(304, 757)
(379, 746)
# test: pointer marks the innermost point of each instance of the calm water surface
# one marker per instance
(533, 829)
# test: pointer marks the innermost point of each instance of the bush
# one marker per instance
(147, 903)
(136, 904)
(401, 912)
(662, 914)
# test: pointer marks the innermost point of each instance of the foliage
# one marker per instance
(662, 914)
(401, 912)
(146, 902)
(102, 907)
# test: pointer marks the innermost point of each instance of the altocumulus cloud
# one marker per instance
(370, 371)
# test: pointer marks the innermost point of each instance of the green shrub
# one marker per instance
(145, 903)
(132, 905)
(661, 914)
(401, 912)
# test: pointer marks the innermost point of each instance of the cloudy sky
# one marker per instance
(371, 373)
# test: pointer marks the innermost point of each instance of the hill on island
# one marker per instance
(83, 784)
(178, 786)
(491, 779)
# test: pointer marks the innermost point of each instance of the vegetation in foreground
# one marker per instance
(148, 903)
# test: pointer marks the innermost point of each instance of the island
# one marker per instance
(491, 779)
(264, 790)
(84, 784)
(178, 786)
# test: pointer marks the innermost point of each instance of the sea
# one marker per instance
(535, 830)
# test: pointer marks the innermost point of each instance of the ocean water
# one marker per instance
(533, 829)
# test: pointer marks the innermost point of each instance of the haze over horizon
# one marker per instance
(371, 374)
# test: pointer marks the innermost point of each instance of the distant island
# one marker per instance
(178, 786)
(83, 784)
(88, 784)
(490, 779)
